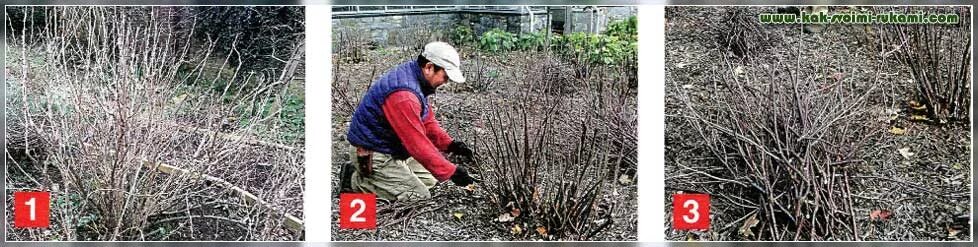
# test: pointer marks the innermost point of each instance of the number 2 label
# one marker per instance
(358, 211)
(32, 209)
(691, 211)
(361, 206)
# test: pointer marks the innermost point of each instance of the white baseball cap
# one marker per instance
(445, 56)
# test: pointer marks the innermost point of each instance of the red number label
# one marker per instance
(32, 209)
(691, 211)
(358, 211)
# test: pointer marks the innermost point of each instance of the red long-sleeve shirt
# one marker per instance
(423, 139)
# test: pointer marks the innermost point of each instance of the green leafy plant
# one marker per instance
(463, 35)
(532, 41)
(616, 46)
(583, 47)
(497, 40)
(556, 41)
(626, 29)
(293, 117)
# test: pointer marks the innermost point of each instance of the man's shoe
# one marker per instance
(346, 177)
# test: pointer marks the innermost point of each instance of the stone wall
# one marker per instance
(513, 23)
(402, 31)
(595, 20)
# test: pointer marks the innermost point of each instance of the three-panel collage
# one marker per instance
(488, 123)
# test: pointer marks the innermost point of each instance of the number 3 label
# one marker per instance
(691, 211)
(32, 209)
(358, 211)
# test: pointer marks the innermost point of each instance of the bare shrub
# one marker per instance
(262, 35)
(345, 92)
(139, 147)
(413, 37)
(481, 76)
(939, 59)
(617, 112)
(548, 165)
(416, 38)
(352, 45)
(783, 147)
(741, 32)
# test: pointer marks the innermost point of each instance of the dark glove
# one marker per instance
(459, 148)
(461, 177)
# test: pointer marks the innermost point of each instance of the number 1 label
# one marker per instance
(358, 211)
(32, 209)
(691, 211)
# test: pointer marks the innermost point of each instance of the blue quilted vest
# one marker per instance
(369, 127)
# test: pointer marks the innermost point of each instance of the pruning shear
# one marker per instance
(364, 161)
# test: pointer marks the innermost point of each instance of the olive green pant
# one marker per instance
(393, 179)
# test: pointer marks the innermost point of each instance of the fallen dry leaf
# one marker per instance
(542, 231)
(470, 187)
(897, 130)
(536, 195)
(458, 215)
(905, 152)
(953, 233)
(179, 98)
(745, 230)
(880, 214)
(515, 212)
(517, 229)
(624, 179)
(505, 218)
(957, 166)
(916, 105)
(919, 118)
(885, 214)
(889, 114)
